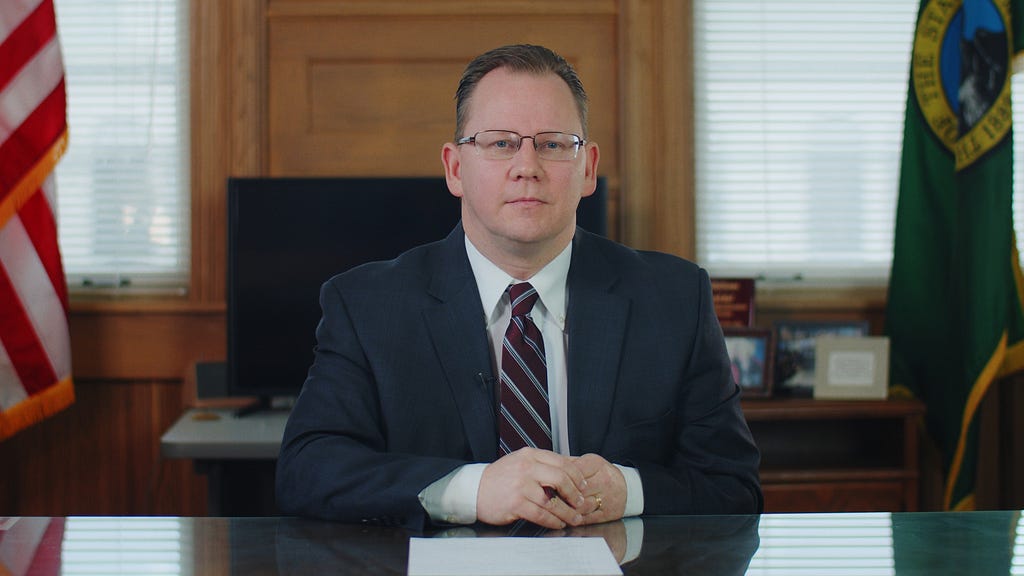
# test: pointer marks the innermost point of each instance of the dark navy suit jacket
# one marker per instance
(401, 389)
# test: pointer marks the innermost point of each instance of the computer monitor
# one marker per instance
(287, 236)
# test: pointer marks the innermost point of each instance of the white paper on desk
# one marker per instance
(511, 557)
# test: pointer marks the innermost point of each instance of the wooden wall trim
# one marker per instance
(248, 136)
(790, 299)
(144, 344)
(283, 8)
(209, 154)
(657, 126)
(228, 107)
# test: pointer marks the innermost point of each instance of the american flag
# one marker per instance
(35, 352)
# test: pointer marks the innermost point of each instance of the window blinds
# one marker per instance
(799, 125)
(123, 185)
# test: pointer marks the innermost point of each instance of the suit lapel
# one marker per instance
(458, 330)
(596, 326)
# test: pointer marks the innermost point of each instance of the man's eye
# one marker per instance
(553, 145)
(502, 144)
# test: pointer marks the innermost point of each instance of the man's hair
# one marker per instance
(526, 58)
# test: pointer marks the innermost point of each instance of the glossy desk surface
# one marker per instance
(976, 543)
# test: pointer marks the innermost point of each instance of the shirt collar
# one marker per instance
(549, 283)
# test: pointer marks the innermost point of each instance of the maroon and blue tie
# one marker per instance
(525, 418)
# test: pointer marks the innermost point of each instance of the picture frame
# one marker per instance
(752, 358)
(852, 368)
(795, 352)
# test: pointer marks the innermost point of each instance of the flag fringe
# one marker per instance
(36, 408)
(966, 504)
(1014, 361)
(28, 185)
(981, 386)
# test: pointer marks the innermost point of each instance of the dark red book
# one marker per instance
(734, 301)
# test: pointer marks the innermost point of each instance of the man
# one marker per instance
(408, 415)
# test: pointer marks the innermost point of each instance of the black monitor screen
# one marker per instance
(287, 236)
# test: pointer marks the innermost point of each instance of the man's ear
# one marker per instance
(452, 160)
(593, 157)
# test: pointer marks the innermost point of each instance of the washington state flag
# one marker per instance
(955, 294)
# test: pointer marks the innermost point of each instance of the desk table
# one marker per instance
(236, 453)
(900, 544)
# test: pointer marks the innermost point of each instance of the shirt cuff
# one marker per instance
(634, 538)
(452, 498)
(634, 491)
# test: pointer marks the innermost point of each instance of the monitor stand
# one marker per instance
(266, 404)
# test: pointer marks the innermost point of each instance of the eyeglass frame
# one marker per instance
(577, 144)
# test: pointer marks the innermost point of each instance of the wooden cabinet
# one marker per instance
(832, 456)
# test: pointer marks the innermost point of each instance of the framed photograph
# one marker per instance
(852, 368)
(751, 355)
(795, 352)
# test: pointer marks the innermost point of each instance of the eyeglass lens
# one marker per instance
(499, 144)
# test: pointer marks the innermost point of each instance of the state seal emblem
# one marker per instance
(960, 73)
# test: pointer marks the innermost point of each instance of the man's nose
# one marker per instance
(526, 161)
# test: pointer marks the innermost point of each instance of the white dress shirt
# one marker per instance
(452, 499)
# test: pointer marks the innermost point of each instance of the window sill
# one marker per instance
(134, 305)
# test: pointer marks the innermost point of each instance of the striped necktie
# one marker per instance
(525, 418)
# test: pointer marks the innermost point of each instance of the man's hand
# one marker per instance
(539, 486)
(605, 494)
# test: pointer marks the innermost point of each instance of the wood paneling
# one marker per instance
(154, 342)
(228, 104)
(373, 95)
(101, 456)
(657, 126)
(434, 8)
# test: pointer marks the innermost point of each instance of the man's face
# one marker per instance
(523, 205)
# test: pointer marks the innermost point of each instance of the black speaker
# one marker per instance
(211, 379)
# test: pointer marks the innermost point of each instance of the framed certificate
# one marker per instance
(852, 368)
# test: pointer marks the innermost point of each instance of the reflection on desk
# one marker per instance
(862, 544)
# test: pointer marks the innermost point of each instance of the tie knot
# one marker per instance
(523, 297)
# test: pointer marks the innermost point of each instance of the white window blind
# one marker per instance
(799, 127)
(123, 185)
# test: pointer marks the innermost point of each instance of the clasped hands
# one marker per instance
(550, 490)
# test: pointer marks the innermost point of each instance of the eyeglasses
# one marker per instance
(503, 145)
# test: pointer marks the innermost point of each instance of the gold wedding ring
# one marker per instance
(600, 502)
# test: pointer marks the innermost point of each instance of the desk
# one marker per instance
(901, 544)
(237, 455)
(217, 434)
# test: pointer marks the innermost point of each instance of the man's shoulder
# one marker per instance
(626, 259)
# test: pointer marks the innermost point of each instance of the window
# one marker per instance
(799, 129)
(123, 185)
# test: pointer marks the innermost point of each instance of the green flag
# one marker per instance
(954, 309)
